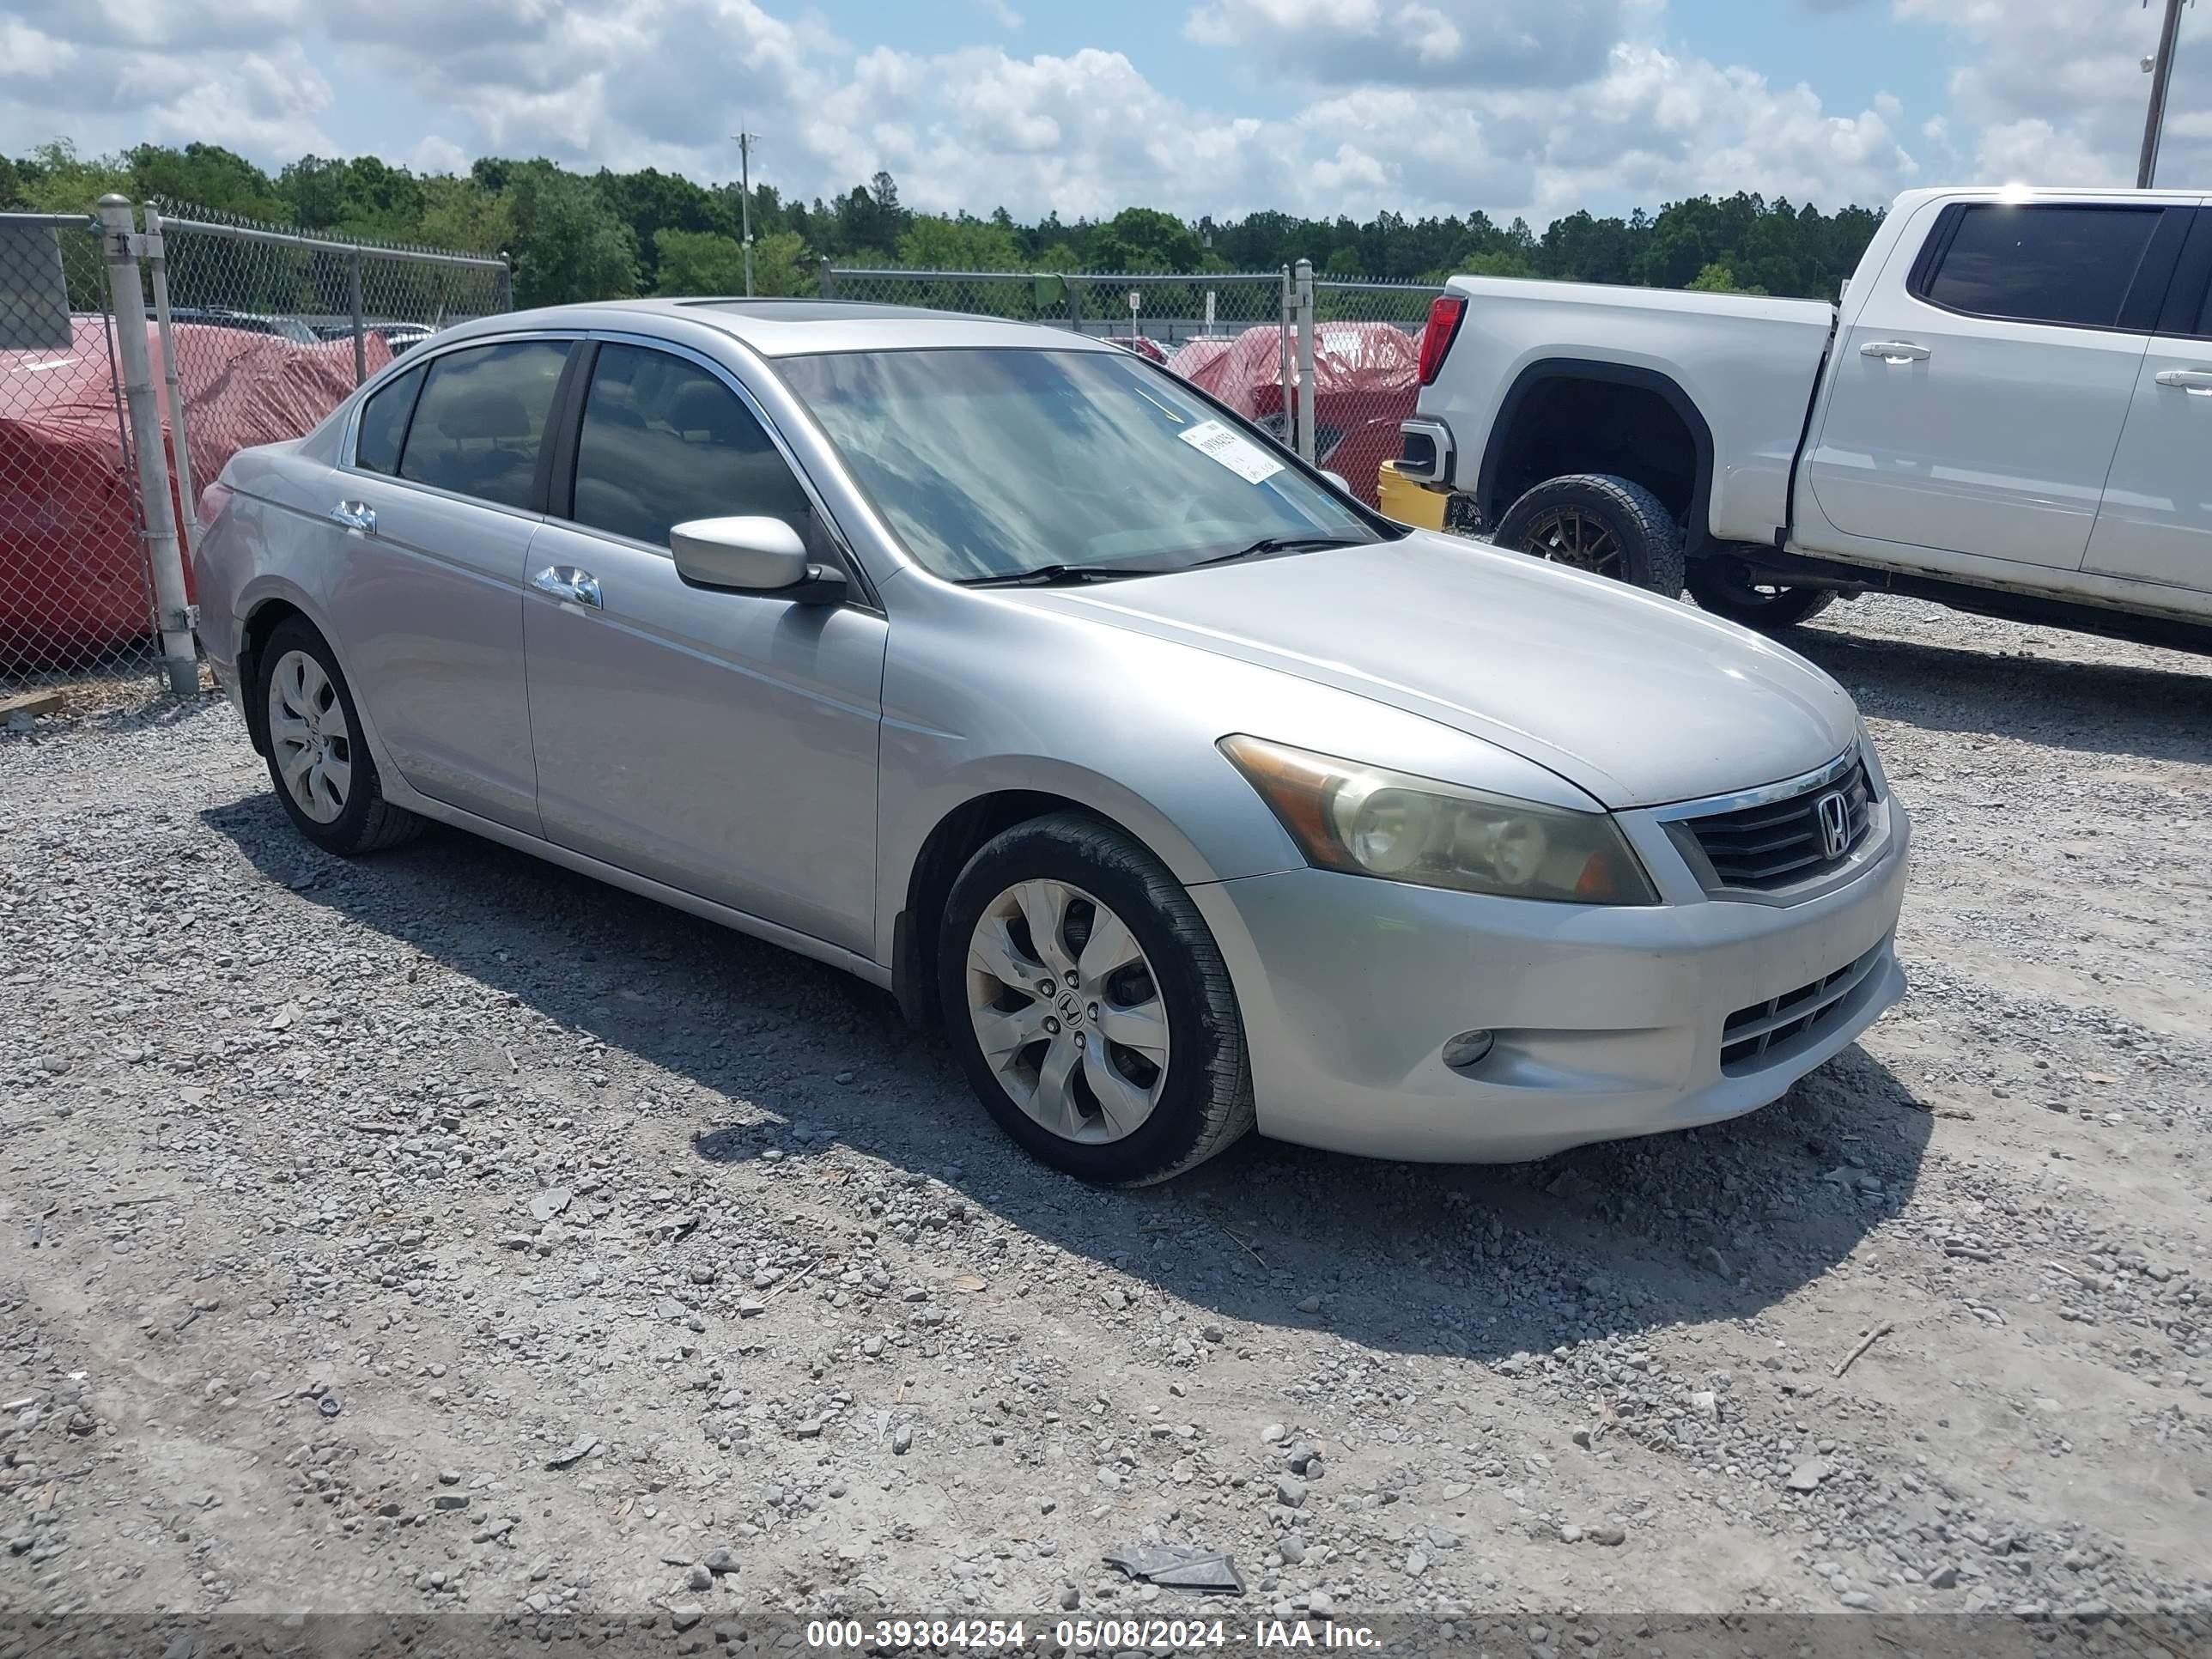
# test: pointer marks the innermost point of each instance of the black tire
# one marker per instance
(1723, 585)
(1595, 521)
(367, 823)
(1205, 1103)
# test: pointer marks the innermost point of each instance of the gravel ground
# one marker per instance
(445, 1231)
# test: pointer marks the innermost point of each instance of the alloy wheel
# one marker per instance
(1068, 1011)
(308, 738)
(1568, 536)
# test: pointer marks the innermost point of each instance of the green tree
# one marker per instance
(461, 215)
(568, 244)
(698, 262)
(207, 176)
(934, 243)
(1719, 279)
(782, 264)
(54, 179)
(1146, 240)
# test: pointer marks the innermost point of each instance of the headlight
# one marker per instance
(1369, 821)
(1877, 780)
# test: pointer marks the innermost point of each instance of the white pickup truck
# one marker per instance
(2010, 412)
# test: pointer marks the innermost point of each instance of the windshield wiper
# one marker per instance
(1267, 544)
(1050, 575)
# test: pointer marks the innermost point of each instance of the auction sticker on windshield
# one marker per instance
(1232, 449)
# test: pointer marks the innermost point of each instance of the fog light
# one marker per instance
(1467, 1047)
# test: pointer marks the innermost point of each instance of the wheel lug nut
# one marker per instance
(1079, 1040)
(1052, 1026)
(1094, 1013)
(1046, 988)
(1072, 979)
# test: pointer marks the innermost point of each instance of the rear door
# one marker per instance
(1978, 397)
(720, 742)
(2156, 522)
(436, 509)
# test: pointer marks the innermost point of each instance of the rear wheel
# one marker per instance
(1596, 522)
(318, 761)
(1090, 1006)
(1726, 586)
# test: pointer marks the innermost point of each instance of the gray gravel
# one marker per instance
(443, 1230)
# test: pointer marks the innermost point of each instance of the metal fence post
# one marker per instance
(157, 263)
(827, 277)
(506, 284)
(1303, 300)
(353, 303)
(162, 550)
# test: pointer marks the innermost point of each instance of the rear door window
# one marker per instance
(480, 419)
(384, 424)
(2035, 263)
(663, 441)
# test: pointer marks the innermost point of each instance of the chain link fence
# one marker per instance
(250, 335)
(77, 598)
(1157, 315)
(1367, 361)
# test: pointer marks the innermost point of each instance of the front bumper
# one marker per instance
(1609, 1022)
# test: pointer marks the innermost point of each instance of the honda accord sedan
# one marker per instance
(1002, 668)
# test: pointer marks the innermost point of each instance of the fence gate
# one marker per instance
(76, 594)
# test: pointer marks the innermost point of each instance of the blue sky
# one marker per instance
(1517, 106)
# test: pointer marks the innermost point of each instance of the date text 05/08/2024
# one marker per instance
(1081, 1635)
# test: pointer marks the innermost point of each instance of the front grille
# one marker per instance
(1749, 1033)
(1781, 843)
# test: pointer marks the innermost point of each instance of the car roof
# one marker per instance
(782, 328)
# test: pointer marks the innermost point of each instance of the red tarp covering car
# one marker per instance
(1365, 377)
(72, 578)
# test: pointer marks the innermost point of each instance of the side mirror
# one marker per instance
(762, 555)
(1339, 480)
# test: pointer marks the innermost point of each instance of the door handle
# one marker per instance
(2197, 382)
(565, 581)
(1895, 351)
(355, 515)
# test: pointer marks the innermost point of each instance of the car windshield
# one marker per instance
(994, 463)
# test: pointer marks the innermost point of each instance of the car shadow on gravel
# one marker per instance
(2077, 702)
(1481, 1262)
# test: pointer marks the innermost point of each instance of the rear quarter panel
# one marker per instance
(1747, 363)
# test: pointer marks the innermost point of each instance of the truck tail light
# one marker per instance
(1445, 311)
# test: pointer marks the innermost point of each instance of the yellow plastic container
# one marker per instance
(1407, 502)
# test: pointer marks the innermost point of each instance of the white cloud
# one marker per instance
(1515, 106)
(2054, 92)
(1417, 42)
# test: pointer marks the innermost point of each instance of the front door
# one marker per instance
(432, 518)
(723, 744)
(1977, 402)
(2156, 523)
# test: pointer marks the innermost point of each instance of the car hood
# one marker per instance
(1636, 700)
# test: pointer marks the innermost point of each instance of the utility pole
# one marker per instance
(2161, 76)
(745, 202)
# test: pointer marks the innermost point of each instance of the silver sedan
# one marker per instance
(1009, 672)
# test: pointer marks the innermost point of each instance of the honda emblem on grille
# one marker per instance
(1835, 816)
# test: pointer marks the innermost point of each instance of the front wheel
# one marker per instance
(1090, 1006)
(1596, 522)
(1728, 587)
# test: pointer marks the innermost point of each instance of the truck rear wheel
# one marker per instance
(1596, 522)
(1726, 586)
